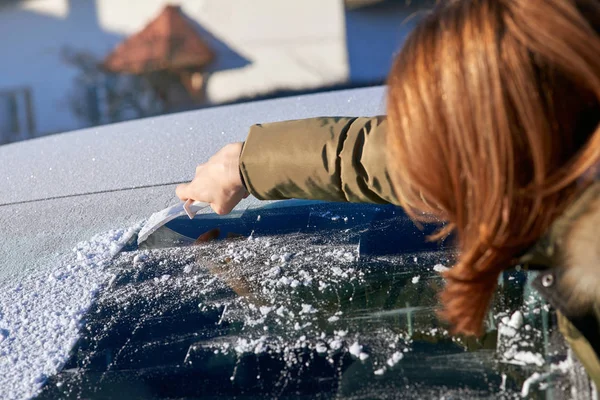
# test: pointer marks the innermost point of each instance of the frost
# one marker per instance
(308, 309)
(336, 344)
(42, 315)
(396, 357)
(534, 378)
(321, 348)
(140, 258)
(514, 346)
(562, 367)
(440, 268)
(355, 349)
(265, 310)
(274, 272)
(527, 357)
(516, 320)
(280, 311)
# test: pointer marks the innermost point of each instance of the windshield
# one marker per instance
(303, 300)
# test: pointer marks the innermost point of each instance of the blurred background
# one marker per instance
(71, 64)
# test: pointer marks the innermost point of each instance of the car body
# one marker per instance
(290, 299)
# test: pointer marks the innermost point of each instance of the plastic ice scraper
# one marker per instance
(189, 208)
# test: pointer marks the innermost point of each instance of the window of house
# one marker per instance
(16, 119)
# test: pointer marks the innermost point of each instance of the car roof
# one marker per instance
(62, 189)
(156, 150)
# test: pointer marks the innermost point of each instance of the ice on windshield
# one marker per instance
(320, 301)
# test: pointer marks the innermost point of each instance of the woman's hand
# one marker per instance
(218, 182)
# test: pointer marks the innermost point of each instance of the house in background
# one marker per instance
(250, 49)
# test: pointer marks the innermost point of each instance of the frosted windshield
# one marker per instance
(311, 301)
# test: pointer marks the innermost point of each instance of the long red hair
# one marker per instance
(494, 115)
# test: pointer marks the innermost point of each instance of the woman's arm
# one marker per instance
(326, 158)
(335, 158)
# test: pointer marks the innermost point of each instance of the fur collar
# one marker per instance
(579, 252)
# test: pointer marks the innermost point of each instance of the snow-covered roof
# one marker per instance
(167, 42)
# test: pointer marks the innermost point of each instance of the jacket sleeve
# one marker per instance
(336, 159)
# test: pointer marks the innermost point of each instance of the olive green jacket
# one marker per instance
(343, 159)
(337, 159)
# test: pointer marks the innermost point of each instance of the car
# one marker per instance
(285, 299)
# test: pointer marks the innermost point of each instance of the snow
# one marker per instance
(416, 279)
(299, 273)
(355, 349)
(40, 233)
(440, 268)
(528, 357)
(396, 357)
(516, 320)
(40, 318)
(515, 344)
(535, 377)
(321, 348)
(563, 367)
(336, 344)
(264, 310)
(503, 383)
(307, 309)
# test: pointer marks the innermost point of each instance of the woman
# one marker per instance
(493, 127)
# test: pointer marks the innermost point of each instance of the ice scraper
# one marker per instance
(160, 218)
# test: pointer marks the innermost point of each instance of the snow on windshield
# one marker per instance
(40, 318)
(277, 316)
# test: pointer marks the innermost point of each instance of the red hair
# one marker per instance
(493, 108)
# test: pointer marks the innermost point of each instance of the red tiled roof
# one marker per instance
(167, 42)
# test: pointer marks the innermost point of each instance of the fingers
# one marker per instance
(217, 181)
(220, 209)
(221, 205)
(225, 204)
(182, 191)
